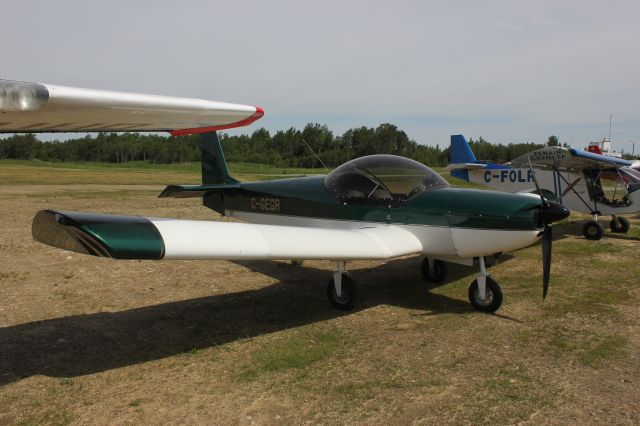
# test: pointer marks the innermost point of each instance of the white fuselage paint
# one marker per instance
(199, 239)
(519, 180)
(436, 241)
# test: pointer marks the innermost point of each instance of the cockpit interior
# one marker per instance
(385, 180)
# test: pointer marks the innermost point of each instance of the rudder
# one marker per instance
(214, 166)
(460, 150)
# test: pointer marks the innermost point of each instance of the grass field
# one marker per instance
(87, 340)
(132, 173)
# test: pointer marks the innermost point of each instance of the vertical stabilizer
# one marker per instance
(460, 150)
(214, 166)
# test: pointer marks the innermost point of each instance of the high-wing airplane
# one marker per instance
(373, 207)
(583, 181)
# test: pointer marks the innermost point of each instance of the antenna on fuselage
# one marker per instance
(316, 155)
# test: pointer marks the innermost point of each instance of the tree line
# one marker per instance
(285, 148)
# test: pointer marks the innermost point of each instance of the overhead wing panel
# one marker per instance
(563, 159)
(133, 237)
(34, 107)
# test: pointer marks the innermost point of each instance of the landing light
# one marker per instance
(22, 97)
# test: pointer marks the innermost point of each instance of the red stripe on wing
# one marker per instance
(197, 130)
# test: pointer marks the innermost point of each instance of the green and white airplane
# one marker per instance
(374, 207)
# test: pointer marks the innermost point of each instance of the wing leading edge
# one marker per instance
(559, 158)
(134, 237)
(35, 107)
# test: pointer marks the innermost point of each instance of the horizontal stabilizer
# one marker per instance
(465, 166)
(134, 237)
(194, 191)
(35, 107)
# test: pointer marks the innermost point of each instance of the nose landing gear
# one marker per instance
(485, 293)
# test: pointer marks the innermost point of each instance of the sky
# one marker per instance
(509, 71)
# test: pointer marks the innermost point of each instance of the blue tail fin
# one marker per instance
(460, 151)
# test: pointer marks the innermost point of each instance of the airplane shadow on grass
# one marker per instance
(84, 344)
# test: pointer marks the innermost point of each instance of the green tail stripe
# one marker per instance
(214, 166)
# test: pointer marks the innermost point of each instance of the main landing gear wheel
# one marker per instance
(492, 296)
(593, 230)
(434, 271)
(621, 226)
(347, 298)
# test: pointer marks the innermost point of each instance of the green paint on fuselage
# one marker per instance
(456, 207)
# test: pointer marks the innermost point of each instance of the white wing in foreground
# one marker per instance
(35, 107)
(133, 237)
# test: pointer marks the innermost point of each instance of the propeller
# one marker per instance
(547, 237)
(548, 213)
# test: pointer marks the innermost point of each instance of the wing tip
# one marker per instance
(241, 123)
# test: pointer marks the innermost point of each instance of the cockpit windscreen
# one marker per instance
(381, 180)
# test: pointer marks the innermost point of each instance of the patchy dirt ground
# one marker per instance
(86, 340)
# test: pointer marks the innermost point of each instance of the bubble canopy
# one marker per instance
(381, 180)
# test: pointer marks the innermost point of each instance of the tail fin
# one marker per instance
(460, 151)
(214, 166)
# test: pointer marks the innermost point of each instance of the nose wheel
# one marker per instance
(492, 299)
(485, 293)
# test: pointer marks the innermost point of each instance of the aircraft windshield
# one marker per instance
(612, 186)
(381, 180)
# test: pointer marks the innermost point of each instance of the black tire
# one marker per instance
(624, 225)
(435, 275)
(493, 296)
(348, 298)
(593, 230)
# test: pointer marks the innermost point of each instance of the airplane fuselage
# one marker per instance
(554, 184)
(449, 222)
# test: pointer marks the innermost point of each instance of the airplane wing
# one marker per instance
(35, 107)
(568, 159)
(134, 237)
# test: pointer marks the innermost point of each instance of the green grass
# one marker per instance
(117, 194)
(298, 351)
(237, 168)
(133, 173)
(135, 403)
(604, 349)
(95, 165)
(143, 173)
(513, 388)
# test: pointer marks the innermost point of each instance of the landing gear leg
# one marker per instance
(485, 294)
(433, 270)
(341, 289)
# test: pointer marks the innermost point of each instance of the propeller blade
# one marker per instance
(535, 181)
(547, 238)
